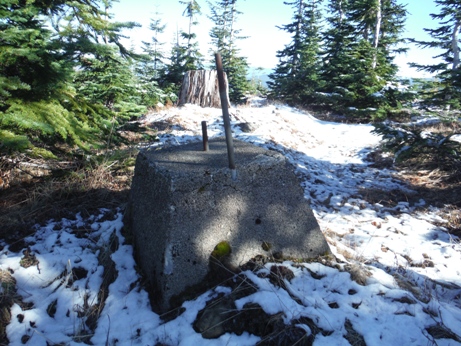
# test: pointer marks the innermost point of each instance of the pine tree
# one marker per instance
(224, 37)
(445, 37)
(296, 77)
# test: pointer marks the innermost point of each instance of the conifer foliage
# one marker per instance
(296, 77)
(224, 37)
(51, 56)
(66, 77)
(185, 54)
(151, 65)
(447, 38)
(346, 64)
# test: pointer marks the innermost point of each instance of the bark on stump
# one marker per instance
(201, 88)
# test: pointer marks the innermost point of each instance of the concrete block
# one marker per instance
(184, 202)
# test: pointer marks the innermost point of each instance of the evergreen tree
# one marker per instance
(174, 71)
(339, 42)
(151, 66)
(108, 80)
(30, 66)
(42, 45)
(360, 47)
(224, 37)
(381, 23)
(153, 49)
(296, 77)
(193, 55)
(445, 37)
(34, 78)
(185, 55)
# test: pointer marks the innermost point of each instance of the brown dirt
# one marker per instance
(437, 188)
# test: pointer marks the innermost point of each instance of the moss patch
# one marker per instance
(221, 250)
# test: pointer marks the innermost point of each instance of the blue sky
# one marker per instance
(258, 21)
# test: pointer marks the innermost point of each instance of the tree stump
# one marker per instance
(201, 88)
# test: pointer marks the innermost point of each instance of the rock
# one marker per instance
(221, 316)
(210, 321)
(247, 127)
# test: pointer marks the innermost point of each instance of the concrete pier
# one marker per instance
(184, 203)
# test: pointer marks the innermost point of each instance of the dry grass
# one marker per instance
(354, 337)
(387, 198)
(87, 313)
(90, 312)
(36, 190)
(36, 199)
(445, 127)
(434, 187)
(8, 297)
(442, 165)
(84, 187)
(452, 216)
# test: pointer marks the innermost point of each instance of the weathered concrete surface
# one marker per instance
(184, 202)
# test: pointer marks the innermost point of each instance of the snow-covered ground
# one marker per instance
(397, 281)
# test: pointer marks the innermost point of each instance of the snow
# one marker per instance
(456, 138)
(408, 261)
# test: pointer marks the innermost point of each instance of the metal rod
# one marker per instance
(225, 113)
(206, 146)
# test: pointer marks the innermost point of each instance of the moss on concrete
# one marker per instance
(221, 250)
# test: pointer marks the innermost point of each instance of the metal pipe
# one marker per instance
(225, 113)
(206, 146)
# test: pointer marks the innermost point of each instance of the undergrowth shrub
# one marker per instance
(421, 147)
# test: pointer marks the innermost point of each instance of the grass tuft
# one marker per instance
(8, 297)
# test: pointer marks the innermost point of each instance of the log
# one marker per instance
(201, 87)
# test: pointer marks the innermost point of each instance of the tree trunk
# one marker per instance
(201, 88)
(376, 34)
(455, 44)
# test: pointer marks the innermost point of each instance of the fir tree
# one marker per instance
(224, 37)
(445, 37)
(151, 65)
(360, 47)
(153, 49)
(185, 55)
(296, 76)
(42, 45)
(108, 80)
(174, 71)
(30, 66)
(339, 42)
(193, 55)
(381, 23)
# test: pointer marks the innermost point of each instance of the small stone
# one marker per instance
(246, 127)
